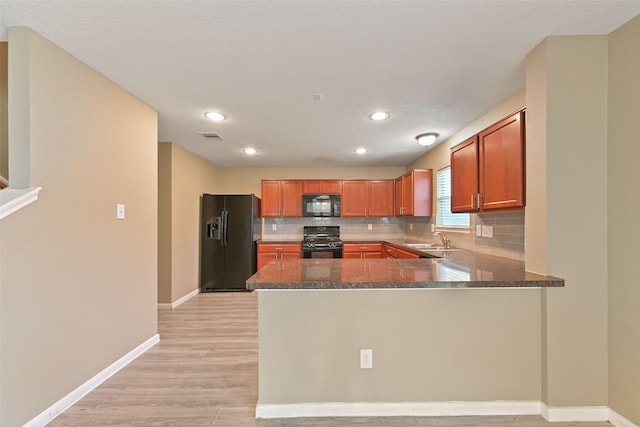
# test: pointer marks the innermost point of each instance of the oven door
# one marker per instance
(322, 253)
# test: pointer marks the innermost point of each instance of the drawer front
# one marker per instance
(362, 247)
(274, 247)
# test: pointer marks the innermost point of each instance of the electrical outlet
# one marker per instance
(433, 228)
(119, 211)
(366, 359)
(487, 231)
(410, 227)
(478, 230)
(274, 227)
(369, 227)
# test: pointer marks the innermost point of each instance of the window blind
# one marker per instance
(444, 217)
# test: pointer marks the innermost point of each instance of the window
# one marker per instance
(444, 217)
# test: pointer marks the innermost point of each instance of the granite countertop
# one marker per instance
(454, 269)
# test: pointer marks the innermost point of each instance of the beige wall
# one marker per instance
(164, 222)
(78, 286)
(571, 116)
(4, 147)
(428, 345)
(183, 178)
(623, 202)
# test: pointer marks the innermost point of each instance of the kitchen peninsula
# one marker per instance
(426, 321)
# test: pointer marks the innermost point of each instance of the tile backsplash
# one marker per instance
(350, 228)
(507, 240)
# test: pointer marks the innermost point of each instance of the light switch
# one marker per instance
(119, 211)
(478, 230)
(369, 226)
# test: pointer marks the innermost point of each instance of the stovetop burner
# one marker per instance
(321, 237)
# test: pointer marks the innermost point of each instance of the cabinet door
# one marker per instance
(464, 176)
(372, 255)
(265, 257)
(407, 194)
(502, 164)
(398, 197)
(421, 195)
(290, 255)
(405, 254)
(354, 198)
(332, 187)
(271, 198)
(351, 255)
(380, 198)
(389, 251)
(292, 198)
(316, 186)
(312, 187)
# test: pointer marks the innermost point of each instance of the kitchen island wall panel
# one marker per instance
(428, 345)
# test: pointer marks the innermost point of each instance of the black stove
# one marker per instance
(321, 242)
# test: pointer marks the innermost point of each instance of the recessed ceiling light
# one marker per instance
(379, 115)
(360, 150)
(426, 139)
(250, 151)
(215, 116)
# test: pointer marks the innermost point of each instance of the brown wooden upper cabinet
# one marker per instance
(413, 193)
(367, 198)
(318, 186)
(281, 198)
(487, 170)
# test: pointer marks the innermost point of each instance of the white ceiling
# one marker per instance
(435, 66)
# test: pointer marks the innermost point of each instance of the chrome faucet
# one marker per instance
(445, 241)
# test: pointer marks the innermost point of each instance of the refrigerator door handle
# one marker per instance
(225, 226)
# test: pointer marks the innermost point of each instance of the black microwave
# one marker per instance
(320, 205)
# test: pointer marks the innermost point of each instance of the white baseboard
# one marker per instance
(418, 409)
(618, 420)
(179, 301)
(57, 408)
(574, 413)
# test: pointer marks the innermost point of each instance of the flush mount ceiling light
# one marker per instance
(426, 139)
(215, 116)
(250, 151)
(360, 150)
(379, 115)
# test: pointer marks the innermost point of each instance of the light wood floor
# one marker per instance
(204, 372)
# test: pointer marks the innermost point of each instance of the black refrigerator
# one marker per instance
(230, 226)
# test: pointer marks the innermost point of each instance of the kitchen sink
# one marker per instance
(429, 247)
(420, 245)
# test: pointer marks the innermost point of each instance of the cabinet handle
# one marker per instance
(478, 200)
(362, 248)
(472, 198)
(279, 249)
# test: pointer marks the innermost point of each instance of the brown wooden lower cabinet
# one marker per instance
(364, 250)
(389, 251)
(269, 251)
(400, 253)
